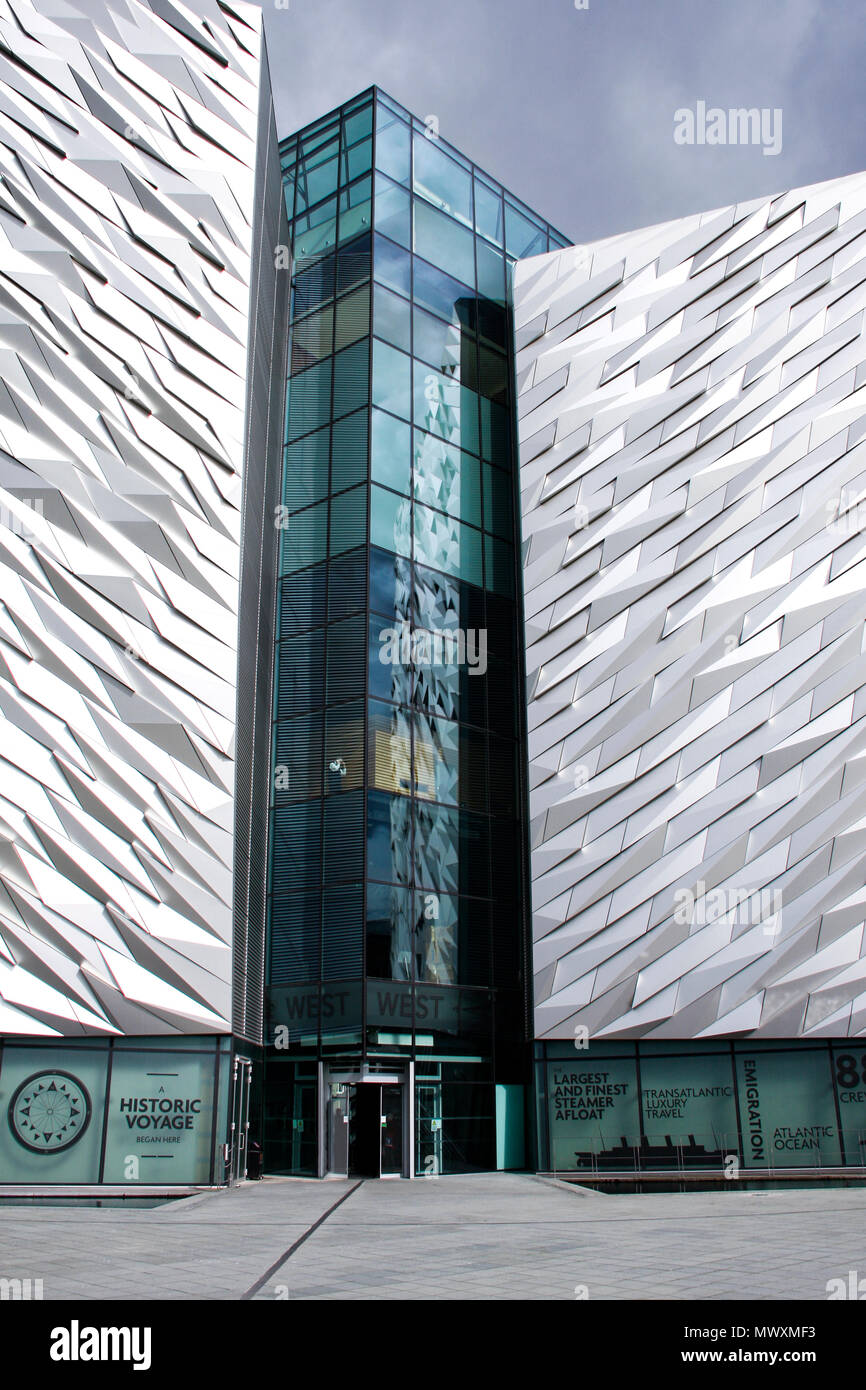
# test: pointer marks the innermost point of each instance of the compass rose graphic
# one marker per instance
(49, 1111)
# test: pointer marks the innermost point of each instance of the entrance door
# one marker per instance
(365, 1124)
(240, 1118)
(375, 1131)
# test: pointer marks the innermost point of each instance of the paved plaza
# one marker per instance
(493, 1236)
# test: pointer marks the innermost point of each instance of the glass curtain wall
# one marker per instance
(397, 910)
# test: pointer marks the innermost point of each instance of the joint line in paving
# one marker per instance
(269, 1273)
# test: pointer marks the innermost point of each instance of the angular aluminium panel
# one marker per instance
(693, 472)
(128, 186)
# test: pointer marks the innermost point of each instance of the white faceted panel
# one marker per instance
(692, 416)
(127, 173)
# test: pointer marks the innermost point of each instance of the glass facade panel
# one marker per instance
(386, 861)
(392, 145)
(443, 242)
(393, 211)
(392, 318)
(440, 180)
(391, 452)
(392, 379)
(390, 521)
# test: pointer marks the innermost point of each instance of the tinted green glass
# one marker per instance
(389, 660)
(355, 209)
(304, 540)
(392, 265)
(392, 210)
(447, 478)
(358, 125)
(390, 521)
(438, 342)
(305, 470)
(444, 407)
(440, 180)
(349, 451)
(497, 501)
(443, 242)
(352, 317)
(499, 566)
(389, 932)
(488, 212)
(523, 237)
(309, 400)
(351, 378)
(392, 379)
(389, 748)
(344, 748)
(312, 339)
(391, 462)
(316, 232)
(491, 271)
(392, 145)
(348, 520)
(391, 318)
(357, 160)
(447, 545)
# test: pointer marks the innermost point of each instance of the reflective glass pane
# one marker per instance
(390, 748)
(358, 125)
(448, 673)
(315, 232)
(353, 264)
(392, 210)
(355, 209)
(390, 582)
(491, 273)
(392, 379)
(443, 242)
(389, 654)
(447, 478)
(391, 462)
(436, 939)
(442, 181)
(298, 758)
(443, 295)
(444, 407)
(348, 520)
(437, 759)
(388, 837)
(305, 470)
(390, 521)
(389, 932)
(447, 544)
(313, 285)
(393, 265)
(304, 538)
(391, 318)
(522, 236)
(488, 212)
(392, 145)
(451, 850)
(300, 672)
(440, 600)
(357, 160)
(439, 343)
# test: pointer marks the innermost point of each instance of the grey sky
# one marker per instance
(574, 109)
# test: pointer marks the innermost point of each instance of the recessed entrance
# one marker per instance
(366, 1127)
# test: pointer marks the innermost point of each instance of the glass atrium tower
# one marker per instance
(397, 984)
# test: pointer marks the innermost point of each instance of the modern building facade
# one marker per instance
(397, 949)
(692, 418)
(431, 662)
(141, 355)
